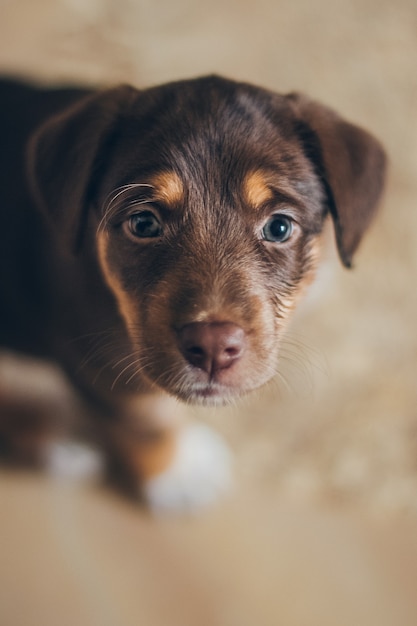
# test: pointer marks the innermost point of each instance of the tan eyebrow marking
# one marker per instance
(256, 188)
(168, 187)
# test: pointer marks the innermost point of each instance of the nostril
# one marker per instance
(233, 351)
(195, 352)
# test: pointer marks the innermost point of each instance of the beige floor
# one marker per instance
(80, 558)
(323, 526)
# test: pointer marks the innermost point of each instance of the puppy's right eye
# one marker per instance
(144, 225)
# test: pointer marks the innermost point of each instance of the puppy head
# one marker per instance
(207, 199)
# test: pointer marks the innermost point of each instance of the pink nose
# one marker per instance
(212, 346)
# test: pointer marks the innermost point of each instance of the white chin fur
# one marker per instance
(199, 474)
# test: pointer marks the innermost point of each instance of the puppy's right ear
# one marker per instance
(66, 155)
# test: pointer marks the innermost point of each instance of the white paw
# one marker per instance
(72, 461)
(199, 474)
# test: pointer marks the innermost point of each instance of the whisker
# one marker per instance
(94, 334)
(125, 369)
(112, 198)
(101, 350)
(120, 361)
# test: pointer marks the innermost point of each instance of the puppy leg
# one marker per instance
(35, 408)
(176, 467)
(24, 431)
(198, 474)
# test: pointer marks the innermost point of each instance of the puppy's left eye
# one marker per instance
(144, 225)
(278, 229)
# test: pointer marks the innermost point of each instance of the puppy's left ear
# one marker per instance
(65, 157)
(351, 164)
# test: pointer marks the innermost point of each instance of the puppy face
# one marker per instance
(207, 206)
(219, 224)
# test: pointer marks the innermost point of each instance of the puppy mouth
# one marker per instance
(211, 394)
(215, 392)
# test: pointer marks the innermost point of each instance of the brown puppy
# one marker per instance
(155, 242)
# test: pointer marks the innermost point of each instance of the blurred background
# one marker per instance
(322, 527)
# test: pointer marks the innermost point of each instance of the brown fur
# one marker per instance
(212, 161)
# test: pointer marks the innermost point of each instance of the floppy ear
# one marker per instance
(65, 156)
(352, 165)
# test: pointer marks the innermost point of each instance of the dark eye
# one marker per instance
(277, 229)
(145, 225)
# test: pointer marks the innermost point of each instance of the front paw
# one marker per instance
(200, 473)
(72, 462)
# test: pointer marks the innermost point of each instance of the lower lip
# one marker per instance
(210, 393)
(215, 394)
